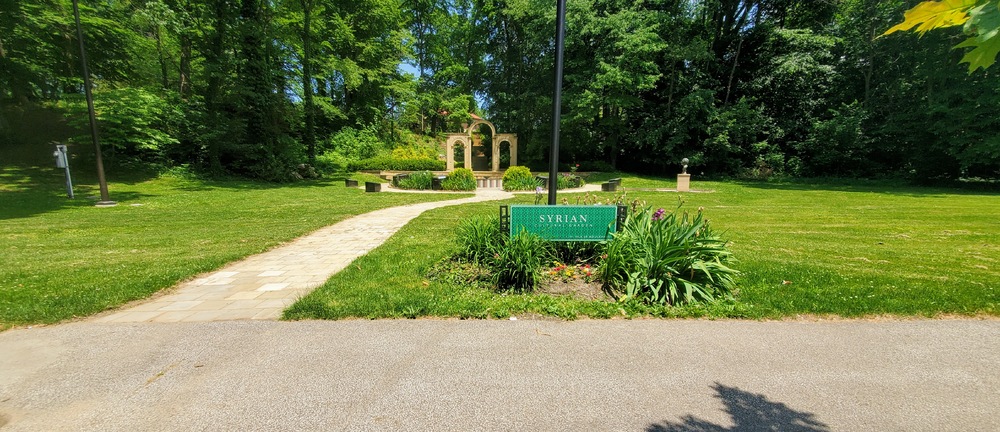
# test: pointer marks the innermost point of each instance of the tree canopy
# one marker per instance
(741, 87)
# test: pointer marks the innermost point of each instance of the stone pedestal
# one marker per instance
(683, 182)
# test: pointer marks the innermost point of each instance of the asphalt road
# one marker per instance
(449, 375)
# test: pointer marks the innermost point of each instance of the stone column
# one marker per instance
(496, 154)
(449, 154)
(683, 182)
(513, 151)
(468, 154)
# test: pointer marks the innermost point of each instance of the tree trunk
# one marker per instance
(732, 72)
(307, 90)
(184, 86)
(164, 80)
(213, 59)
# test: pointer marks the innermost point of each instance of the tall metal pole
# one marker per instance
(557, 100)
(105, 199)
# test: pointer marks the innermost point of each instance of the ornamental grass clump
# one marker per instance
(461, 179)
(517, 264)
(478, 239)
(513, 263)
(667, 258)
(420, 180)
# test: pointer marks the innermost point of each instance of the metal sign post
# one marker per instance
(62, 161)
(557, 100)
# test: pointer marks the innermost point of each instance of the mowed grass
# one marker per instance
(391, 282)
(822, 249)
(62, 258)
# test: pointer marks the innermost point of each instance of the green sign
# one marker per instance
(565, 222)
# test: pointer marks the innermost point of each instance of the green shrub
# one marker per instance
(389, 163)
(479, 238)
(355, 144)
(414, 151)
(569, 181)
(517, 264)
(460, 179)
(518, 178)
(331, 162)
(135, 124)
(667, 258)
(420, 180)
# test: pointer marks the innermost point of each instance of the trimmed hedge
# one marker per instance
(389, 163)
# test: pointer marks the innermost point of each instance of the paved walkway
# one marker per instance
(501, 375)
(263, 285)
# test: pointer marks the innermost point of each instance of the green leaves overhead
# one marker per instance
(930, 15)
(985, 24)
(981, 18)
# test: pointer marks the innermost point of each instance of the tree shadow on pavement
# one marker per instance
(750, 412)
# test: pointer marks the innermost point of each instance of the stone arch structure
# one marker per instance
(458, 139)
(511, 140)
(468, 140)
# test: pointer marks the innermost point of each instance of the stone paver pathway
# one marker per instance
(263, 285)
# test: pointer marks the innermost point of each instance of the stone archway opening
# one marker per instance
(482, 147)
(458, 150)
(504, 157)
(478, 147)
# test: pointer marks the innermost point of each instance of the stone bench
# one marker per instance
(611, 185)
(373, 187)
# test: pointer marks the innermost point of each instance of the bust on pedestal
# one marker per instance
(684, 179)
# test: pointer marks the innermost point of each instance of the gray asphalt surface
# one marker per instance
(642, 375)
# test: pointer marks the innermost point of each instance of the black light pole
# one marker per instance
(557, 100)
(105, 199)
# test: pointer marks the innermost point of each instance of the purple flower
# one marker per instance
(538, 190)
(658, 215)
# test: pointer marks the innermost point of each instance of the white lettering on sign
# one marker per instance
(562, 218)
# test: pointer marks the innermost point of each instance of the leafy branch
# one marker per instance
(980, 18)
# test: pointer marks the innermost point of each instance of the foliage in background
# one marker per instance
(667, 258)
(331, 162)
(389, 163)
(355, 144)
(134, 125)
(748, 87)
(461, 179)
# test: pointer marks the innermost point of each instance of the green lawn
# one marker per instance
(825, 248)
(65, 258)
(816, 249)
